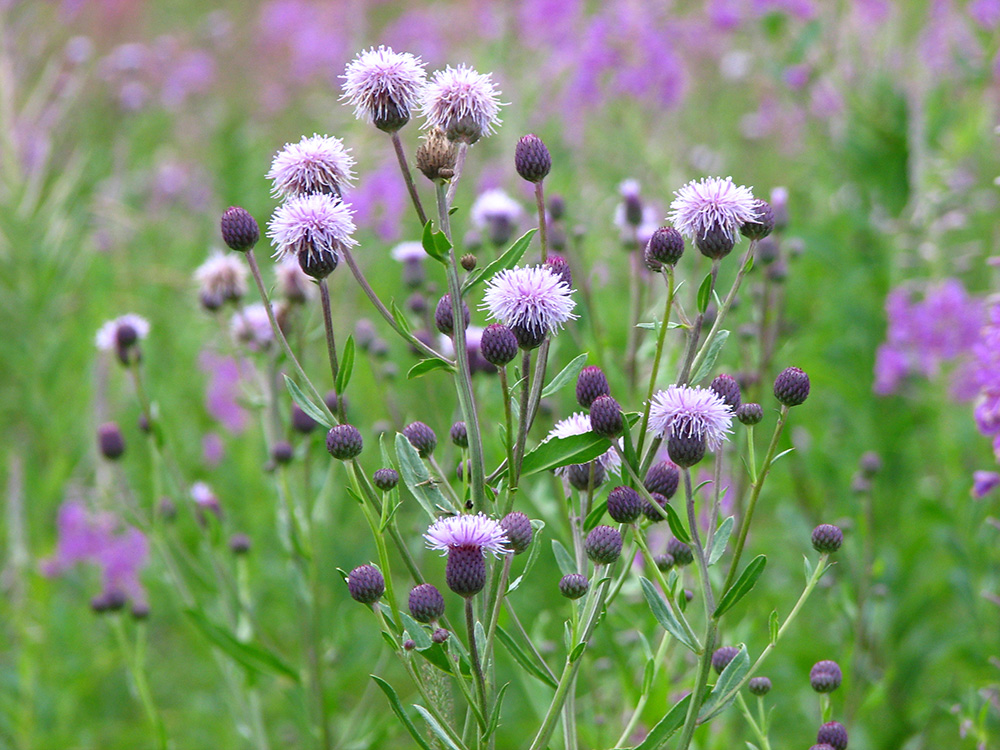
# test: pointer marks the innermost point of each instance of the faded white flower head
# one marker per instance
(463, 103)
(408, 251)
(710, 204)
(495, 205)
(683, 411)
(123, 331)
(316, 164)
(467, 532)
(223, 277)
(532, 297)
(384, 87)
(251, 326)
(579, 424)
(311, 224)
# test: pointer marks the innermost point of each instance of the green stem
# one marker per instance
(138, 672)
(640, 539)
(542, 224)
(383, 553)
(477, 665)
(522, 422)
(757, 730)
(658, 659)
(660, 340)
(404, 167)
(693, 335)
(331, 344)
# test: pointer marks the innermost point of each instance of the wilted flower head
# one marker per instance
(683, 411)
(463, 103)
(252, 327)
(384, 86)
(579, 424)
(115, 333)
(532, 297)
(712, 204)
(311, 224)
(316, 164)
(465, 532)
(222, 277)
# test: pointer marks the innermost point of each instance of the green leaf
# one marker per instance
(577, 652)
(536, 525)
(431, 244)
(666, 726)
(783, 453)
(437, 729)
(416, 632)
(743, 585)
(711, 355)
(563, 451)
(647, 675)
(397, 708)
(705, 293)
(772, 626)
(664, 616)
(523, 658)
(494, 721)
(720, 540)
(508, 259)
(305, 404)
(253, 657)
(676, 525)
(628, 449)
(417, 478)
(425, 366)
(748, 266)
(346, 366)
(595, 515)
(563, 558)
(569, 374)
(734, 672)
(400, 317)
(808, 566)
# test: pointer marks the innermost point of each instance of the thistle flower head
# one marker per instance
(123, 331)
(712, 205)
(682, 411)
(407, 252)
(311, 224)
(222, 276)
(467, 532)
(532, 297)
(384, 87)
(252, 327)
(463, 103)
(316, 164)
(579, 424)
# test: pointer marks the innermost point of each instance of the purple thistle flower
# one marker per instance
(384, 86)
(463, 103)
(222, 277)
(532, 297)
(496, 212)
(686, 412)
(316, 164)
(984, 482)
(467, 532)
(712, 204)
(109, 334)
(311, 224)
(579, 424)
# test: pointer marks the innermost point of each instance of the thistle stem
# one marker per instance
(542, 224)
(477, 666)
(404, 167)
(660, 340)
(693, 336)
(331, 344)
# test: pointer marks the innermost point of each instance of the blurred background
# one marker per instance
(127, 127)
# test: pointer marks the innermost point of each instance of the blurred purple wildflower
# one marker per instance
(109, 334)
(222, 393)
(984, 482)
(381, 199)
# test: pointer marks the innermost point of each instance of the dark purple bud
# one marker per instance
(663, 562)
(317, 263)
(239, 229)
(591, 383)
(726, 388)
(409, 644)
(560, 267)
(651, 513)
(421, 437)
(459, 435)
(715, 242)
(529, 337)
(762, 225)
(686, 450)
(573, 586)
(606, 417)
(557, 207)
(440, 635)
(750, 414)
(768, 251)
(498, 344)
(110, 441)
(385, 479)
(603, 545)
(791, 387)
(302, 422)
(332, 401)
(366, 584)
(518, 529)
(825, 676)
(282, 452)
(827, 538)
(681, 552)
(239, 544)
(722, 657)
(578, 475)
(343, 441)
(663, 479)
(760, 685)
(624, 504)
(531, 158)
(834, 734)
(444, 315)
(665, 247)
(426, 603)
(465, 571)
(390, 115)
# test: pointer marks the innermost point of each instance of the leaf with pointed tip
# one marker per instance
(397, 708)
(720, 540)
(746, 581)
(346, 366)
(437, 729)
(522, 658)
(305, 404)
(664, 615)
(705, 293)
(508, 259)
(714, 347)
(734, 672)
(563, 558)
(425, 366)
(417, 478)
(568, 374)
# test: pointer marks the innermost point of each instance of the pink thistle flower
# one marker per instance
(384, 87)
(579, 424)
(463, 103)
(316, 164)
(532, 297)
(683, 411)
(312, 224)
(712, 204)
(467, 532)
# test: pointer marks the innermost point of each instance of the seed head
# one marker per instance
(825, 676)
(532, 159)
(463, 103)
(591, 383)
(722, 657)
(791, 387)
(827, 538)
(384, 87)
(366, 584)
(517, 527)
(421, 437)
(573, 585)
(426, 603)
(624, 504)
(316, 164)
(436, 156)
(385, 479)
(603, 545)
(344, 442)
(239, 229)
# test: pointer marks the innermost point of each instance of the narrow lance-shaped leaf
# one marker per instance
(397, 708)
(746, 581)
(665, 616)
(346, 366)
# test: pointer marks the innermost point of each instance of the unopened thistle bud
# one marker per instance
(444, 315)
(560, 267)
(517, 526)
(825, 676)
(834, 734)
(282, 452)
(385, 479)
(722, 657)
(239, 544)
(421, 437)
(750, 414)
(302, 422)
(760, 685)
(240, 230)
(662, 478)
(498, 344)
(603, 545)
(762, 224)
(606, 417)
(624, 504)
(726, 388)
(651, 513)
(665, 247)
(715, 243)
(681, 552)
(469, 261)
(344, 442)
(663, 562)
(791, 387)
(366, 584)
(591, 383)
(573, 585)
(532, 159)
(110, 441)
(459, 435)
(578, 475)
(686, 450)
(440, 635)
(426, 603)
(827, 538)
